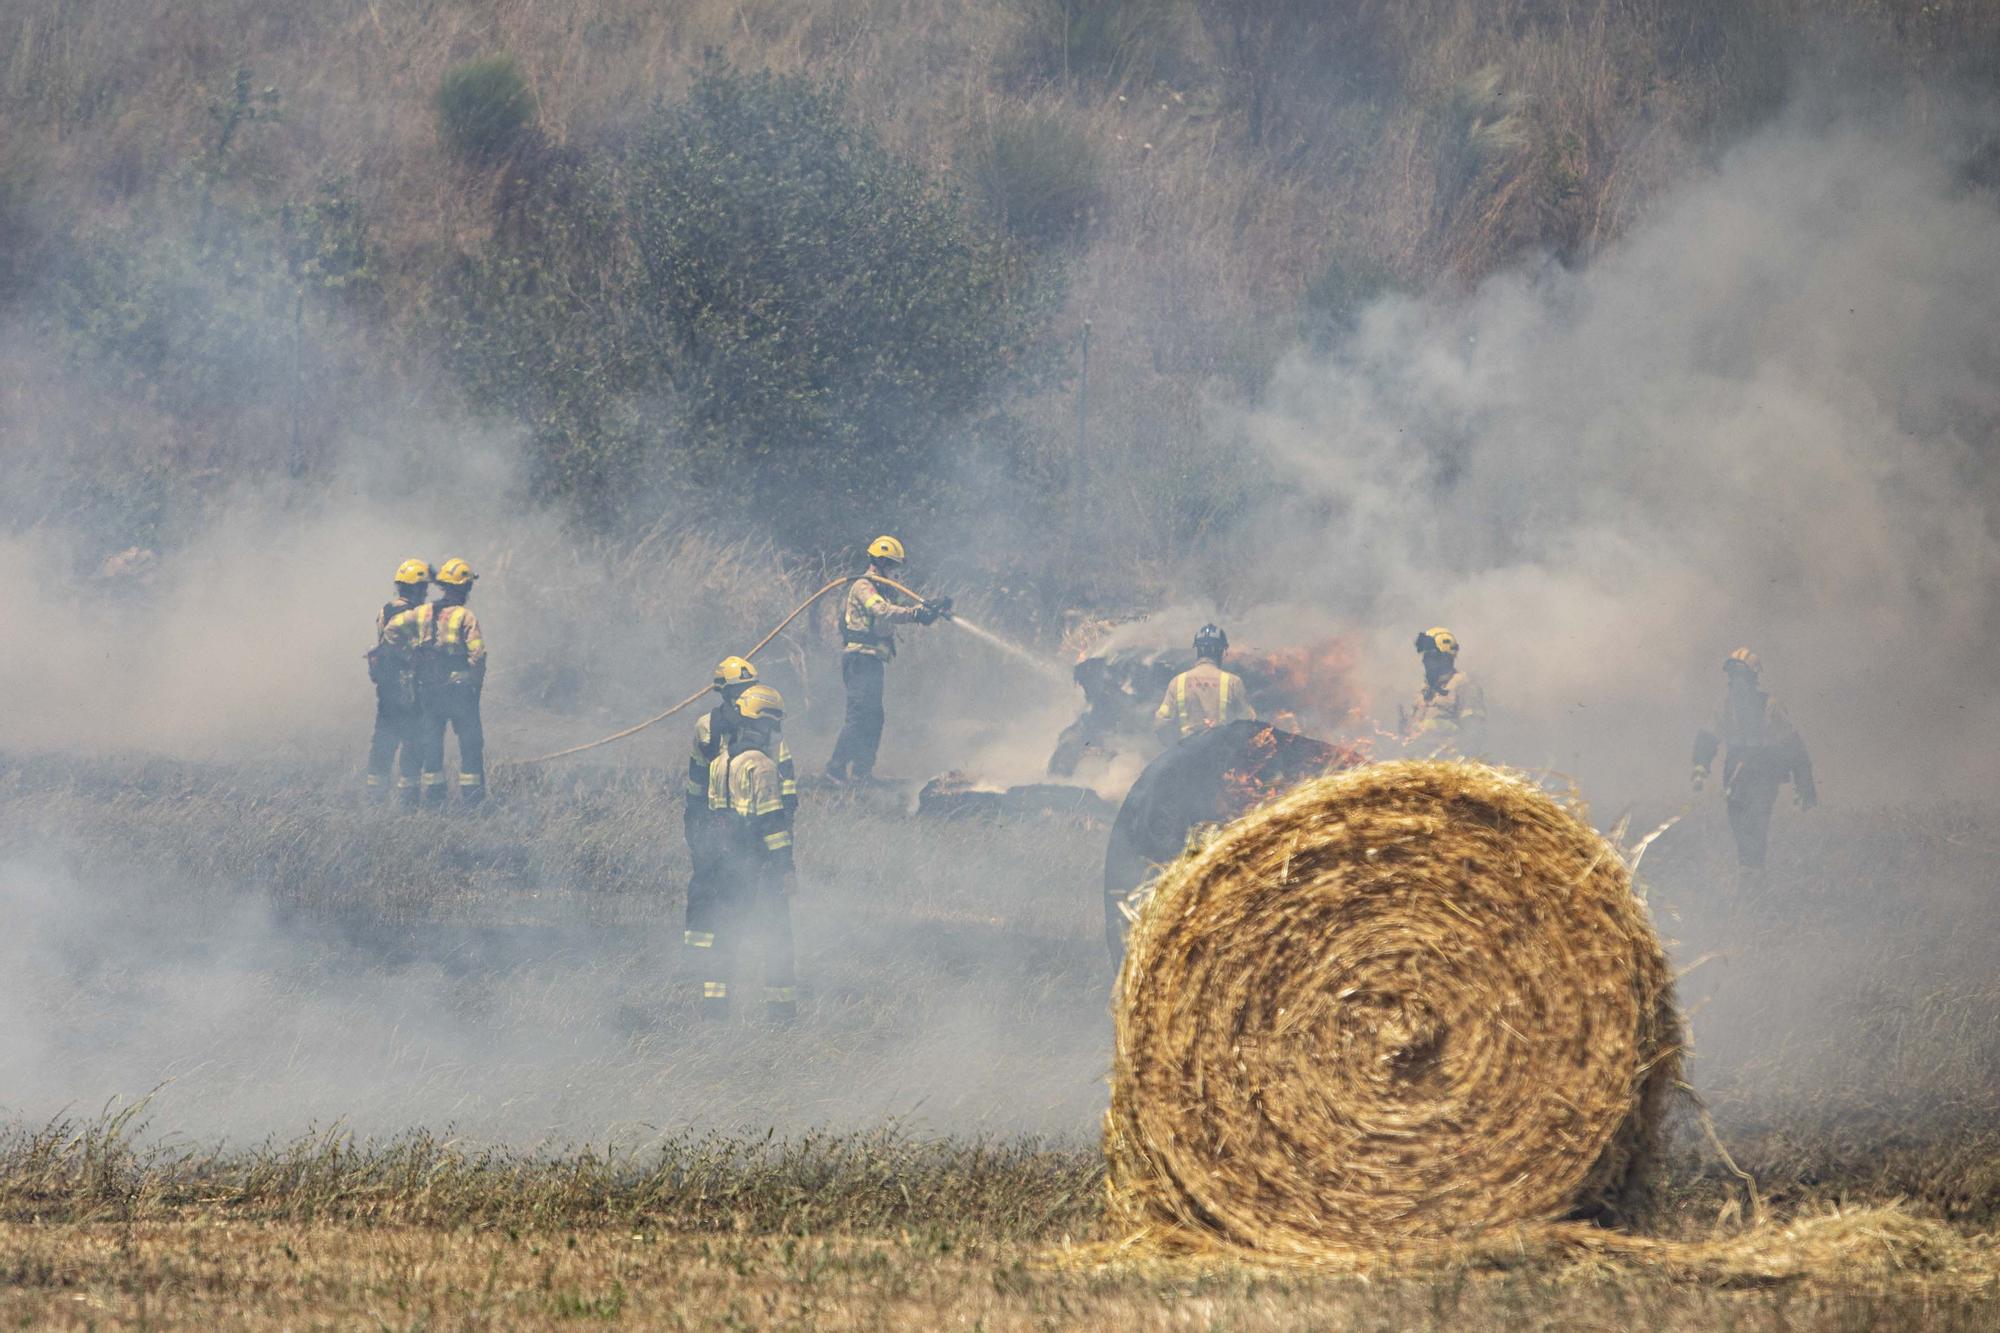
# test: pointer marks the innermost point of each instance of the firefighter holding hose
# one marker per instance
(867, 621)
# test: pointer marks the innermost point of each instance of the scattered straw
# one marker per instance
(1403, 1005)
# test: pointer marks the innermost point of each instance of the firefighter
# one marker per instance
(869, 642)
(402, 639)
(705, 817)
(1204, 696)
(1449, 715)
(1762, 751)
(451, 695)
(754, 869)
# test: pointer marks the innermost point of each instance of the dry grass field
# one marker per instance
(277, 1061)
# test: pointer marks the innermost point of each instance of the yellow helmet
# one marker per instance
(734, 671)
(761, 702)
(455, 572)
(413, 571)
(887, 548)
(1438, 638)
(1746, 659)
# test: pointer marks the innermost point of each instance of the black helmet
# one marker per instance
(1210, 641)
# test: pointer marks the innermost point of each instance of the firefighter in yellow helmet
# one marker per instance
(705, 817)
(395, 665)
(754, 872)
(869, 641)
(451, 693)
(1761, 751)
(1448, 717)
(1204, 695)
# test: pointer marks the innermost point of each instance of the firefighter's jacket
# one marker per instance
(865, 619)
(403, 640)
(1760, 745)
(758, 842)
(1202, 697)
(708, 770)
(1449, 717)
(461, 647)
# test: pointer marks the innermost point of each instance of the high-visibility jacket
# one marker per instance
(1201, 697)
(404, 625)
(1763, 745)
(865, 617)
(760, 827)
(708, 768)
(460, 643)
(1449, 717)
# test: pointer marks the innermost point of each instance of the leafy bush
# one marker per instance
(748, 299)
(484, 109)
(1037, 175)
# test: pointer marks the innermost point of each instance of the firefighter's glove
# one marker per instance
(938, 608)
(1700, 780)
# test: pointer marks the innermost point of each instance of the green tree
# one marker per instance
(750, 299)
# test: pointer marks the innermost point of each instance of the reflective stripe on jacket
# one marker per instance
(863, 617)
(1201, 697)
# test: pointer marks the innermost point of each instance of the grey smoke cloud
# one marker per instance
(1761, 418)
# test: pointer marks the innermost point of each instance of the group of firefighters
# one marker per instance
(428, 665)
(742, 791)
(1760, 748)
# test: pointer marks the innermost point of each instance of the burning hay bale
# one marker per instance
(1402, 1004)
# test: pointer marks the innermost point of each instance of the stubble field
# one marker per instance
(278, 1060)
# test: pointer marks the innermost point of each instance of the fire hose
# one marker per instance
(699, 695)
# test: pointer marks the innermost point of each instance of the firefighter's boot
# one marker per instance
(781, 1006)
(715, 1001)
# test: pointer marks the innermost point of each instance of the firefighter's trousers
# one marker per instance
(454, 705)
(861, 732)
(398, 744)
(1753, 793)
(729, 908)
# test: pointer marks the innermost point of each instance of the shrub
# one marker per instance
(1037, 176)
(749, 299)
(484, 109)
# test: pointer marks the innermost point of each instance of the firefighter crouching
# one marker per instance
(1204, 696)
(1763, 752)
(706, 816)
(451, 694)
(869, 642)
(753, 875)
(1448, 718)
(395, 665)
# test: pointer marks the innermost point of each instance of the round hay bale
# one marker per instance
(1401, 1004)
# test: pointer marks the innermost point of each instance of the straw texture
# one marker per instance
(1402, 1004)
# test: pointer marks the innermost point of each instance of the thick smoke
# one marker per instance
(1763, 418)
